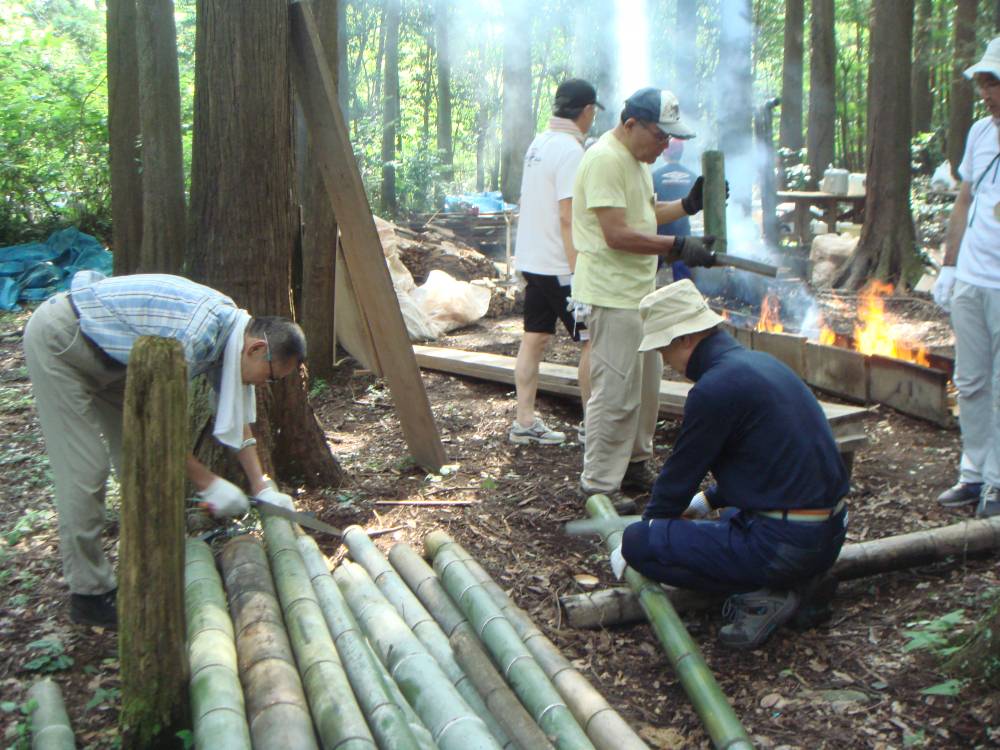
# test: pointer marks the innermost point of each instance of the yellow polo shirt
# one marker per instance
(610, 177)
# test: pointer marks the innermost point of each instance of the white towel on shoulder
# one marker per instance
(237, 402)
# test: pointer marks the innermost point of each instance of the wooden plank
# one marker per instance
(910, 388)
(331, 147)
(786, 347)
(842, 372)
(352, 331)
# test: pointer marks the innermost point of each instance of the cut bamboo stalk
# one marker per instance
(218, 711)
(414, 614)
(604, 726)
(50, 727)
(339, 720)
(619, 605)
(388, 719)
(525, 676)
(713, 167)
(439, 705)
(716, 714)
(276, 703)
(469, 652)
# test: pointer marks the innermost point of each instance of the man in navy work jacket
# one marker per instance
(752, 423)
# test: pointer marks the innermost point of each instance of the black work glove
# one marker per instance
(694, 201)
(696, 251)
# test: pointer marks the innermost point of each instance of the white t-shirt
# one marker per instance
(549, 168)
(979, 256)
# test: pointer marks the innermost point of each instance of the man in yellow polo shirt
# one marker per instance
(615, 215)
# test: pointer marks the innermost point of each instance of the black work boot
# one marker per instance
(639, 476)
(95, 609)
(623, 505)
(816, 606)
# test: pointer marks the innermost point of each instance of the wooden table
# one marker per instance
(830, 205)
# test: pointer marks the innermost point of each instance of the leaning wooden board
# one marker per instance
(845, 420)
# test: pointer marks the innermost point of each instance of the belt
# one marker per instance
(804, 515)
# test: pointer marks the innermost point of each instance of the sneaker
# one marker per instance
(97, 609)
(963, 493)
(753, 617)
(639, 477)
(624, 506)
(581, 433)
(537, 433)
(989, 502)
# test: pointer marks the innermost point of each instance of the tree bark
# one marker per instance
(790, 128)
(961, 96)
(922, 98)
(123, 136)
(162, 153)
(886, 250)
(518, 128)
(242, 203)
(390, 108)
(822, 87)
(151, 634)
(442, 18)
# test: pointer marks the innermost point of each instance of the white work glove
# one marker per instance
(943, 287)
(618, 563)
(271, 494)
(224, 499)
(698, 508)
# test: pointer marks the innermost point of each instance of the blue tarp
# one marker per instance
(37, 270)
(479, 203)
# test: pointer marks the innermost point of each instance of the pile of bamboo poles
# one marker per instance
(378, 653)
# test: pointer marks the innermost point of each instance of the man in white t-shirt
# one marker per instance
(544, 252)
(969, 285)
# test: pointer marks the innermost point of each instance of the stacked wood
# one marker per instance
(50, 727)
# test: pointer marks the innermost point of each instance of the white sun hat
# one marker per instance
(673, 311)
(990, 62)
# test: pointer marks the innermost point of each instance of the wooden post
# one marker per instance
(151, 635)
(713, 167)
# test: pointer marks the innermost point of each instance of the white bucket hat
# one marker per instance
(673, 311)
(990, 62)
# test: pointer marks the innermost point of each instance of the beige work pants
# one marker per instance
(624, 399)
(78, 396)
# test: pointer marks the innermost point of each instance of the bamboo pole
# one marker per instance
(439, 705)
(469, 652)
(716, 714)
(151, 643)
(217, 706)
(50, 727)
(388, 719)
(523, 673)
(604, 726)
(418, 619)
(713, 167)
(276, 703)
(339, 720)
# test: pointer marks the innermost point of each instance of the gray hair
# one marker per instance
(284, 337)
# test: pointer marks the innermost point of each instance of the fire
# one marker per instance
(827, 337)
(873, 335)
(770, 315)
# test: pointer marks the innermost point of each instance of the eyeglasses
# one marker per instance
(658, 135)
(270, 365)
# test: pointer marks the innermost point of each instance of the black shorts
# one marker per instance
(545, 301)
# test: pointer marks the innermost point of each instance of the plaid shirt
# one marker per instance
(115, 312)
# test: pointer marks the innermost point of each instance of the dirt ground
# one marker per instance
(851, 683)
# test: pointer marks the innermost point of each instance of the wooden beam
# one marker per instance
(365, 261)
(910, 388)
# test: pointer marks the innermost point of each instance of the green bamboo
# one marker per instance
(50, 727)
(469, 652)
(439, 705)
(339, 720)
(525, 676)
(709, 701)
(605, 726)
(713, 167)
(388, 719)
(276, 703)
(217, 706)
(423, 625)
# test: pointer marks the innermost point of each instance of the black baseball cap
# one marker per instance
(575, 93)
(658, 106)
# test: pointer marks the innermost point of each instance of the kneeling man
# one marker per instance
(752, 423)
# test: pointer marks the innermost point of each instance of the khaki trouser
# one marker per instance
(624, 399)
(78, 396)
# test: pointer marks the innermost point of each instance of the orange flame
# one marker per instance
(770, 315)
(827, 337)
(873, 334)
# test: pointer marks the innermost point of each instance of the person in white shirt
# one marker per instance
(969, 287)
(544, 252)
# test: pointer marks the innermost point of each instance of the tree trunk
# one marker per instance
(162, 153)
(596, 57)
(790, 129)
(343, 76)
(921, 96)
(961, 97)
(886, 250)
(319, 225)
(735, 102)
(822, 86)
(243, 224)
(151, 634)
(442, 17)
(390, 108)
(518, 128)
(123, 136)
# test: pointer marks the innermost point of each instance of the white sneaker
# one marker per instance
(581, 433)
(537, 433)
